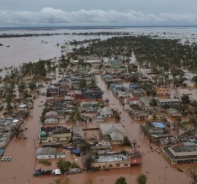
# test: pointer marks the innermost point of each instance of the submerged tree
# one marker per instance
(141, 179)
(121, 180)
(192, 173)
(17, 130)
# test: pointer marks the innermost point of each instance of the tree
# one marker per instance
(153, 102)
(192, 173)
(93, 83)
(16, 130)
(63, 165)
(141, 179)
(194, 79)
(121, 180)
(83, 83)
(185, 99)
(126, 142)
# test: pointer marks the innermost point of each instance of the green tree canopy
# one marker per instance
(141, 179)
(121, 180)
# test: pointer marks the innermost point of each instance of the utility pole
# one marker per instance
(165, 174)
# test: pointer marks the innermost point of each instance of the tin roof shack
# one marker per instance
(113, 132)
(51, 117)
(181, 154)
(54, 134)
(168, 101)
(89, 106)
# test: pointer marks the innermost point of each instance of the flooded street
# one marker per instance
(20, 169)
(23, 151)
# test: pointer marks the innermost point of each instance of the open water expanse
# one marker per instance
(26, 49)
(23, 152)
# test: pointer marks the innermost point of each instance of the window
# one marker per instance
(125, 165)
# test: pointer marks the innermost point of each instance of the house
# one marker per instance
(51, 117)
(78, 94)
(54, 134)
(186, 153)
(22, 107)
(173, 112)
(114, 62)
(156, 129)
(133, 101)
(105, 112)
(135, 158)
(92, 93)
(53, 90)
(139, 92)
(162, 91)
(140, 116)
(122, 94)
(116, 87)
(145, 101)
(111, 161)
(113, 132)
(168, 101)
(63, 89)
(77, 133)
(89, 106)
(102, 145)
(48, 153)
(45, 153)
(189, 84)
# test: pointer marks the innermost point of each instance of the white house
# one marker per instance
(105, 112)
(49, 153)
(45, 153)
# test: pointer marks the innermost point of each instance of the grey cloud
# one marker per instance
(51, 15)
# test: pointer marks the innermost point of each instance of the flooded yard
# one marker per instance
(23, 153)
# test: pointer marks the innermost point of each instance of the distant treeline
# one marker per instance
(29, 35)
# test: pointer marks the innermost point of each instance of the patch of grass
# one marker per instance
(45, 162)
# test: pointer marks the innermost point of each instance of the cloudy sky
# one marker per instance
(98, 12)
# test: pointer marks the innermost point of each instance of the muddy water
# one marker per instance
(20, 169)
(159, 169)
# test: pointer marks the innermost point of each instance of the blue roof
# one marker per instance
(158, 124)
(76, 151)
(1, 151)
(132, 86)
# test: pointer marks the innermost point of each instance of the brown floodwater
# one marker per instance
(23, 153)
